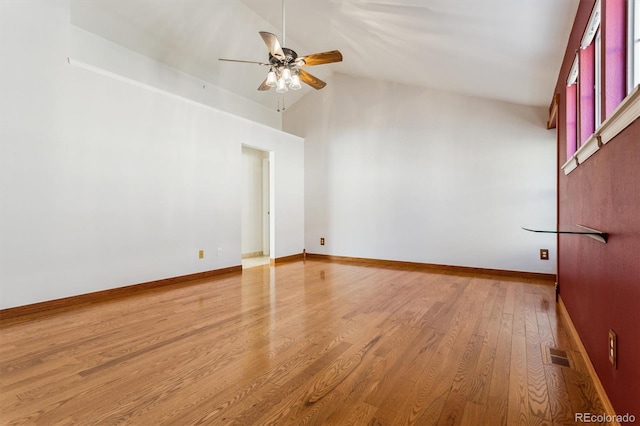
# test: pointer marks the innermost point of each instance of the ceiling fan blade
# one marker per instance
(312, 81)
(320, 58)
(272, 44)
(264, 87)
(244, 62)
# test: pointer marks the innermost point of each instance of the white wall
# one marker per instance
(105, 182)
(404, 173)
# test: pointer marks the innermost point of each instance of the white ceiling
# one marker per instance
(508, 50)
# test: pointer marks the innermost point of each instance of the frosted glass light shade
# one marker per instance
(272, 80)
(281, 86)
(286, 75)
(295, 82)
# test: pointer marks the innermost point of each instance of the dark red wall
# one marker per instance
(600, 283)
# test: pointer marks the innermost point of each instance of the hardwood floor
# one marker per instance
(300, 343)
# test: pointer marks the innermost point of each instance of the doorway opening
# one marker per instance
(256, 207)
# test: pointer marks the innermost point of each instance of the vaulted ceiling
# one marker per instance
(499, 49)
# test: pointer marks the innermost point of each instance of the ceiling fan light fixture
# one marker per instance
(272, 79)
(284, 64)
(281, 86)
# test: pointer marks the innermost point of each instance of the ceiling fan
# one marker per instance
(284, 64)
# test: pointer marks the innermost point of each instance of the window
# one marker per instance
(586, 101)
(598, 79)
(614, 52)
(588, 77)
(571, 114)
(634, 44)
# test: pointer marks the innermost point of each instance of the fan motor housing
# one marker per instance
(290, 56)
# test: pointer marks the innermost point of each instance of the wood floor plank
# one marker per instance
(559, 400)
(536, 380)
(301, 343)
(455, 404)
(397, 378)
(358, 414)
(518, 384)
(473, 414)
(437, 379)
(481, 378)
(497, 398)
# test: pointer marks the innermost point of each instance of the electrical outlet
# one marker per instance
(613, 348)
(201, 254)
(219, 251)
(322, 241)
(544, 254)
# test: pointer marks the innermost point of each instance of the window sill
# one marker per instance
(625, 114)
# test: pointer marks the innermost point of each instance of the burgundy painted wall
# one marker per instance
(600, 283)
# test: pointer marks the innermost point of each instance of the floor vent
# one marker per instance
(556, 356)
